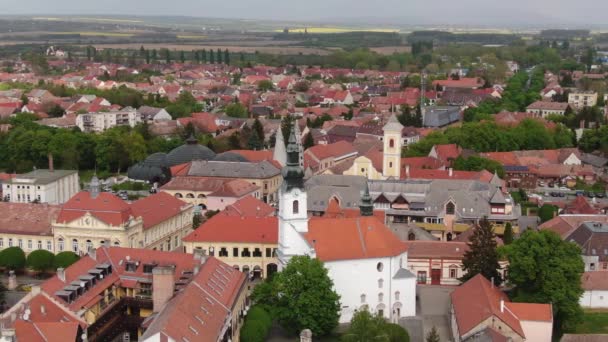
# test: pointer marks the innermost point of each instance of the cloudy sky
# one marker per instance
(558, 13)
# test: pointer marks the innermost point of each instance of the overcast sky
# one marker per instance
(558, 13)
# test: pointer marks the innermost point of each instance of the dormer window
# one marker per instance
(450, 208)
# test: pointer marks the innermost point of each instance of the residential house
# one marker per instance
(595, 285)
(152, 114)
(322, 157)
(478, 307)
(545, 108)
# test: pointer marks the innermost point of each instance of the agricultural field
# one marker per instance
(336, 30)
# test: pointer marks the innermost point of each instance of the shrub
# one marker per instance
(65, 259)
(257, 325)
(12, 258)
(40, 260)
(396, 333)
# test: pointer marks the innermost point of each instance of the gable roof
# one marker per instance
(105, 207)
(248, 206)
(199, 312)
(595, 281)
(27, 218)
(46, 331)
(157, 208)
(477, 300)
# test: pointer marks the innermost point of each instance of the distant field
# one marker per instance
(389, 50)
(185, 36)
(111, 20)
(336, 30)
(278, 50)
(98, 34)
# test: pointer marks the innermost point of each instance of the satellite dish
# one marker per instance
(26, 317)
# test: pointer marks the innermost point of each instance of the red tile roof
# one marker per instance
(436, 249)
(531, 311)
(255, 156)
(335, 150)
(477, 300)
(595, 281)
(157, 208)
(105, 207)
(248, 206)
(200, 311)
(27, 218)
(46, 332)
(224, 228)
(463, 82)
(352, 238)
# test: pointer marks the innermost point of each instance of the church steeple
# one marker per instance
(366, 207)
(279, 154)
(293, 174)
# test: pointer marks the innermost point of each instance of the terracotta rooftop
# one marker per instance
(436, 249)
(595, 281)
(106, 207)
(248, 206)
(157, 208)
(352, 238)
(223, 228)
(27, 218)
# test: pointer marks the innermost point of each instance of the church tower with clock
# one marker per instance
(293, 208)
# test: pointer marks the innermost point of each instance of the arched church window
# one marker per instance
(391, 143)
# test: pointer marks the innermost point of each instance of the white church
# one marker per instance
(366, 261)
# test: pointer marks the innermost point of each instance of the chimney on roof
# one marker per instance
(450, 172)
(502, 305)
(61, 274)
(42, 309)
(51, 166)
(163, 286)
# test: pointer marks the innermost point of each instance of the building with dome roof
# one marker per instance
(157, 167)
(230, 157)
(188, 152)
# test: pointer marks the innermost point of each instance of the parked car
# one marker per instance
(561, 194)
(600, 194)
(563, 188)
(554, 194)
(590, 194)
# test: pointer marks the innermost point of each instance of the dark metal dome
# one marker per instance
(189, 152)
(151, 174)
(157, 159)
(230, 157)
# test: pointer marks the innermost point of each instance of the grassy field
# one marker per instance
(336, 30)
(185, 36)
(97, 34)
(594, 322)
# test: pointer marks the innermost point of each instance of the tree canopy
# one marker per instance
(301, 297)
(365, 327)
(65, 259)
(545, 269)
(12, 258)
(40, 260)
(482, 256)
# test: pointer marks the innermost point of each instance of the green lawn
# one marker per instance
(593, 323)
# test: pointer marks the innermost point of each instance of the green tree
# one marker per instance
(365, 327)
(433, 335)
(12, 258)
(482, 256)
(65, 259)
(546, 269)
(547, 212)
(258, 129)
(308, 141)
(302, 297)
(254, 142)
(197, 219)
(227, 57)
(167, 54)
(234, 141)
(257, 325)
(182, 56)
(40, 260)
(507, 236)
(236, 110)
(148, 56)
(219, 56)
(265, 85)
(204, 56)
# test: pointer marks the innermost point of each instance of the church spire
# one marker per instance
(366, 207)
(293, 174)
(279, 154)
(94, 186)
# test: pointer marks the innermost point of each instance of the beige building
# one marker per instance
(42, 186)
(27, 225)
(248, 244)
(90, 220)
(580, 99)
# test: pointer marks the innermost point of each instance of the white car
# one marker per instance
(563, 188)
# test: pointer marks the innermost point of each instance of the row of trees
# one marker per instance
(41, 260)
(131, 57)
(542, 269)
